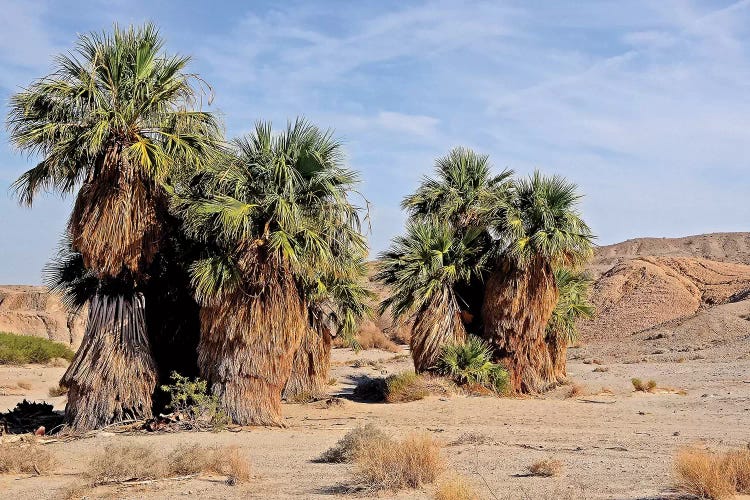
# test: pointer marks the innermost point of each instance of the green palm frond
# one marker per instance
(573, 286)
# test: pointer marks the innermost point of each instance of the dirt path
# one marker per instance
(612, 446)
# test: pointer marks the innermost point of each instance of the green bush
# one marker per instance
(23, 349)
(190, 398)
(471, 363)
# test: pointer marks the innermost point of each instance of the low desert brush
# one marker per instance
(396, 464)
(347, 447)
(405, 387)
(24, 349)
(639, 386)
(471, 363)
(191, 399)
(546, 468)
(118, 463)
(713, 475)
(575, 391)
(23, 384)
(57, 391)
(455, 487)
(23, 457)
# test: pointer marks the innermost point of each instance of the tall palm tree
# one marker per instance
(572, 304)
(435, 272)
(537, 229)
(273, 216)
(118, 118)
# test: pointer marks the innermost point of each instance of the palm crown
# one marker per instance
(118, 116)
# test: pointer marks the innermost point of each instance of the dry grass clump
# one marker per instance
(127, 462)
(639, 386)
(471, 438)
(546, 468)
(405, 387)
(396, 464)
(713, 475)
(370, 336)
(347, 447)
(575, 391)
(23, 457)
(455, 487)
(601, 369)
(57, 391)
(24, 385)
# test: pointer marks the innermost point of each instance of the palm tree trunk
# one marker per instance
(518, 304)
(113, 375)
(557, 343)
(312, 366)
(247, 347)
(438, 324)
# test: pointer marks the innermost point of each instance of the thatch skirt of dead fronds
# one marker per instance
(312, 365)
(436, 325)
(248, 342)
(517, 306)
(113, 375)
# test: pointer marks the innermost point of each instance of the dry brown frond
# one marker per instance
(456, 487)
(546, 468)
(113, 374)
(398, 464)
(701, 473)
(249, 339)
(436, 325)
(23, 457)
(311, 367)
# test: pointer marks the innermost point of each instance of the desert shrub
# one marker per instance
(191, 399)
(546, 468)
(22, 457)
(455, 487)
(700, 473)
(405, 387)
(23, 349)
(347, 447)
(601, 369)
(575, 391)
(396, 464)
(125, 462)
(57, 390)
(23, 384)
(639, 386)
(372, 337)
(471, 363)
(402, 387)
(470, 438)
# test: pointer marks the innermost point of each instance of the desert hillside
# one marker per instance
(31, 310)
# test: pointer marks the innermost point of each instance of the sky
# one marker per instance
(644, 104)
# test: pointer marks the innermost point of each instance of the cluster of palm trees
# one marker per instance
(238, 261)
(495, 257)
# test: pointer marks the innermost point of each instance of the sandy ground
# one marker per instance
(612, 446)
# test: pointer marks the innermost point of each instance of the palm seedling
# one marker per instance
(118, 119)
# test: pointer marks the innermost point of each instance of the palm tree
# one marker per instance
(273, 215)
(423, 270)
(573, 286)
(117, 117)
(435, 272)
(538, 228)
(335, 306)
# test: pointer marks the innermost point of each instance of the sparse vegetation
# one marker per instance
(575, 390)
(601, 369)
(405, 387)
(640, 386)
(717, 476)
(198, 408)
(57, 391)
(123, 462)
(25, 349)
(546, 468)
(470, 362)
(456, 487)
(23, 384)
(25, 457)
(347, 447)
(396, 464)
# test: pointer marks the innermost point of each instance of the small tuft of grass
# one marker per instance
(25, 349)
(397, 464)
(57, 391)
(575, 391)
(405, 387)
(23, 457)
(639, 386)
(23, 384)
(470, 438)
(456, 487)
(546, 468)
(348, 446)
(601, 369)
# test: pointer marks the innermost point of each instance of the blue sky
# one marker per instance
(646, 105)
